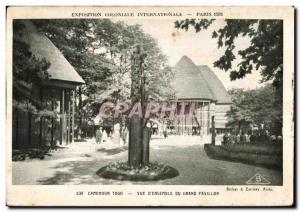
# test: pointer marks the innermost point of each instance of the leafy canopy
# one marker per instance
(258, 106)
(29, 73)
(100, 50)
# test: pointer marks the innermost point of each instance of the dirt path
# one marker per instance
(186, 154)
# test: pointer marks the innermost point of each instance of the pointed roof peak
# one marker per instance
(198, 82)
(185, 61)
(185, 58)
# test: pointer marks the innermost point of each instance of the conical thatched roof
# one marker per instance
(216, 86)
(198, 82)
(42, 47)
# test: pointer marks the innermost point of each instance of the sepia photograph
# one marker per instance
(148, 98)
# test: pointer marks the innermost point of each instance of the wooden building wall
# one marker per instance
(204, 112)
(31, 131)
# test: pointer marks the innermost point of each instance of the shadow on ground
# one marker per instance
(75, 172)
(113, 151)
(194, 166)
(84, 171)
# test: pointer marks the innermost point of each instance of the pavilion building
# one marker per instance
(200, 86)
(58, 94)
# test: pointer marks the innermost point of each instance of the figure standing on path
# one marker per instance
(99, 135)
(165, 132)
(104, 136)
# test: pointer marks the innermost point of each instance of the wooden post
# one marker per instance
(200, 121)
(79, 112)
(184, 121)
(146, 145)
(135, 151)
(208, 118)
(192, 123)
(41, 119)
(213, 133)
(52, 122)
(73, 112)
(204, 117)
(69, 118)
(62, 118)
(182, 124)
(176, 118)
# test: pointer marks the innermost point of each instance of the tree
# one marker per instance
(29, 73)
(120, 43)
(76, 40)
(258, 106)
(101, 50)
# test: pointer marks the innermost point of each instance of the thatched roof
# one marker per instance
(60, 69)
(216, 86)
(198, 82)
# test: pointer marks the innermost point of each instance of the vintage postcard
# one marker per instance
(150, 106)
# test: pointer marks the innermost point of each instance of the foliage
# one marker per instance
(100, 50)
(258, 106)
(265, 52)
(149, 172)
(29, 73)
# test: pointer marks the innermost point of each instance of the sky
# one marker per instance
(199, 47)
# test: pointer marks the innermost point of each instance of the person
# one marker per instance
(124, 135)
(234, 138)
(243, 137)
(104, 136)
(115, 136)
(253, 137)
(273, 138)
(99, 135)
(247, 137)
(225, 139)
(165, 132)
(279, 138)
(264, 136)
